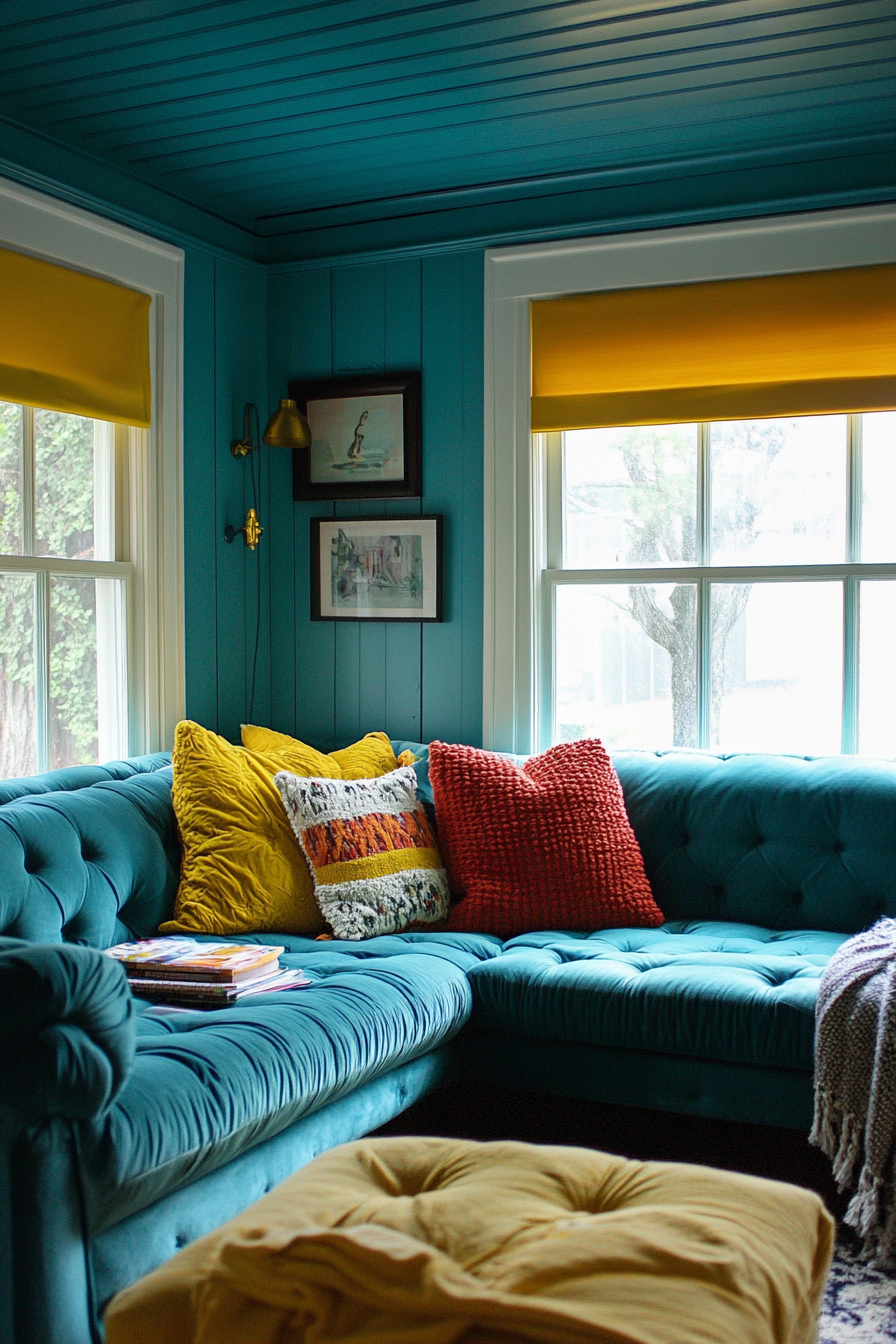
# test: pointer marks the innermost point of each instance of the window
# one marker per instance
(728, 585)
(529, 583)
(65, 578)
(91, 531)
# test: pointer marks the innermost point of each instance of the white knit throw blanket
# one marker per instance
(855, 1083)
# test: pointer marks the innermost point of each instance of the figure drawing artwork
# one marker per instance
(365, 437)
(360, 438)
(376, 569)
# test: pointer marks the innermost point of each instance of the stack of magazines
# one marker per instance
(190, 974)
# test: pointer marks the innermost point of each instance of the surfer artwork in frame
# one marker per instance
(376, 569)
(365, 437)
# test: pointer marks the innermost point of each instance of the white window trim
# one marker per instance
(516, 544)
(51, 229)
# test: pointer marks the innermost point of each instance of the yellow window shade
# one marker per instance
(808, 344)
(71, 342)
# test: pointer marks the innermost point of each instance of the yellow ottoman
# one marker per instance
(430, 1241)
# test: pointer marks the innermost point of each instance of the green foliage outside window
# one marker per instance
(63, 526)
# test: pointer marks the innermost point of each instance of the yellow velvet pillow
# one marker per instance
(241, 870)
(368, 759)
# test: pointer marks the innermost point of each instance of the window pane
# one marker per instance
(877, 659)
(626, 664)
(879, 486)
(11, 515)
(87, 680)
(18, 715)
(777, 667)
(63, 465)
(73, 689)
(779, 491)
(630, 496)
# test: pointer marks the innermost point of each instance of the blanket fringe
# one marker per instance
(855, 1083)
(872, 1215)
(839, 1135)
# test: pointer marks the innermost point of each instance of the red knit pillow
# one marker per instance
(548, 846)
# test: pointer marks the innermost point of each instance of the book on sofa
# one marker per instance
(189, 959)
(212, 994)
(185, 972)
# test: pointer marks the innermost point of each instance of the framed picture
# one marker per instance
(376, 569)
(365, 437)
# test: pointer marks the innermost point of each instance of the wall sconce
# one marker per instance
(287, 428)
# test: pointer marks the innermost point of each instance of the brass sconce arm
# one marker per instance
(286, 428)
(251, 531)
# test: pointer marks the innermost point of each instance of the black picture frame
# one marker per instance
(346, 476)
(365, 569)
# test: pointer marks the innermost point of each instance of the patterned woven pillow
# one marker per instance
(370, 850)
(545, 846)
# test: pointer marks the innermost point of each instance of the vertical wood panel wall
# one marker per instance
(225, 365)
(332, 681)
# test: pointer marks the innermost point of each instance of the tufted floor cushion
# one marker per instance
(721, 991)
(412, 1240)
(231, 1079)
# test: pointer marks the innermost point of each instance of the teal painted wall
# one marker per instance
(250, 327)
(333, 681)
(225, 365)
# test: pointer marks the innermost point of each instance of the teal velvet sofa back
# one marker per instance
(95, 861)
(787, 842)
(781, 841)
(784, 842)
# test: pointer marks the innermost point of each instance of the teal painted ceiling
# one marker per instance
(292, 119)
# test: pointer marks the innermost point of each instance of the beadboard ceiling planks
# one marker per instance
(286, 119)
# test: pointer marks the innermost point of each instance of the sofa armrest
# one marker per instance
(66, 1031)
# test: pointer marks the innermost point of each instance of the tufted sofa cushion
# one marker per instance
(96, 865)
(232, 1079)
(413, 1239)
(719, 991)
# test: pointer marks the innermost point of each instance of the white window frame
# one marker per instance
(519, 546)
(55, 231)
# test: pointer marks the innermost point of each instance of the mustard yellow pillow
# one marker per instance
(241, 870)
(368, 759)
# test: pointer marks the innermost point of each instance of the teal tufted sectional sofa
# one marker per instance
(126, 1135)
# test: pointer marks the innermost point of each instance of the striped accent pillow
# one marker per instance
(371, 852)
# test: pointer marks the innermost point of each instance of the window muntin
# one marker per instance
(878, 460)
(65, 582)
(744, 551)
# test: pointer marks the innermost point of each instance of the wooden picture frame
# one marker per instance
(376, 569)
(365, 437)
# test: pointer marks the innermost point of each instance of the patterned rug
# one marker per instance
(859, 1302)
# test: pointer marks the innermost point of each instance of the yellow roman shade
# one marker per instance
(808, 344)
(72, 342)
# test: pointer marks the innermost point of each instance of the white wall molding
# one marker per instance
(49, 228)
(514, 524)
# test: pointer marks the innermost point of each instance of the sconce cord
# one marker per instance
(257, 574)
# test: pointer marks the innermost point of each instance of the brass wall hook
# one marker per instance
(251, 531)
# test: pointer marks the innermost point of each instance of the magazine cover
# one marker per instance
(187, 957)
